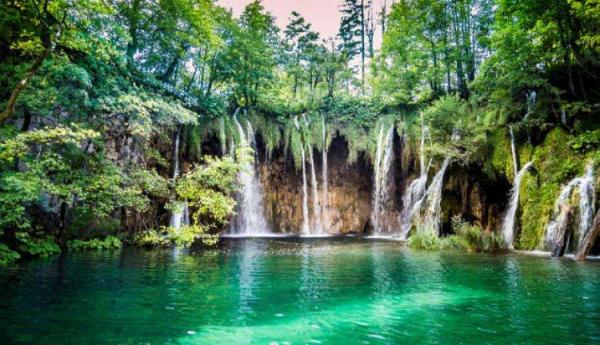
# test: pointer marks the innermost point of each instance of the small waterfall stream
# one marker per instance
(305, 218)
(317, 229)
(250, 219)
(433, 200)
(305, 226)
(513, 149)
(381, 194)
(414, 194)
(556, 230)
(179, 218)
(325, 178)
(508, 224)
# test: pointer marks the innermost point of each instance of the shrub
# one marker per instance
(110, 242)
(42, 247)
(6, 255)
(466, 237)
(473, 237)
(152, 238)
(424, 240)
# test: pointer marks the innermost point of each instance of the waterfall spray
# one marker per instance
(250, 218)
(556, 229)
(381, 194)
(508, 224)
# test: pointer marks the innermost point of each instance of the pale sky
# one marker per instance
(324, 15)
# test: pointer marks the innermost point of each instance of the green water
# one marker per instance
(300, 292)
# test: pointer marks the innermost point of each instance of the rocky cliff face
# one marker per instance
(467, 192)
(349, 191)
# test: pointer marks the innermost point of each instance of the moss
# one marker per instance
(555, 163)
(501, 153)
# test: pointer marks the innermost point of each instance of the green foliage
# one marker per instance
(109, 242)
(207, 189)
(39, 246)
(587, 141)
(555, 163)
(20, 145)
(474, 238)
(152, 238)
(466, 237)
(7, 255)
(426, 240)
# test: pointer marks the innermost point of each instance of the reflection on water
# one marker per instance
(299, 291)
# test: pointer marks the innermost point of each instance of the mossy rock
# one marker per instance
(555, 163)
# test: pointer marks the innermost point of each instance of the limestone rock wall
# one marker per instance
(349, 191)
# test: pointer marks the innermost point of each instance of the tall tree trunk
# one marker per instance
(22, 84)
(587, 242)
(134, 19)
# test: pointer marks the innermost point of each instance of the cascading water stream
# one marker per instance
(305, 226)
(531, 100)
(325, 177)
(250, 219)
(414, 194)
(513, 149)
(508, 224)
(305, 221)
(316, 209)
(381, 195)
(556, 229)
(433, 200)
(181, 217)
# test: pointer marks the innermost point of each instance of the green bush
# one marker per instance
(6, 255)
(466, 237)
(456, 243)
(42, 247)
(473, 237)
(186, 235)
(424, 240)
(151, 238)
(110, 242)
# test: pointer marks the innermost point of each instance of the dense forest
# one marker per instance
(117, 115)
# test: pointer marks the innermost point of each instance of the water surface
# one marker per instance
(281, 291)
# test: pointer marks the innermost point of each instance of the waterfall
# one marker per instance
(556, 229)
(181, 217)
(381, 194)
(318, 229)
(305, 227)
(513, 148)
(433, 200)
(316, 209)
(414, 194)
(325, 196)
(250, 219)
(508, 224)
(531, 100)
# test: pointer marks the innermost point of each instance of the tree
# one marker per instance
(34, 29)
